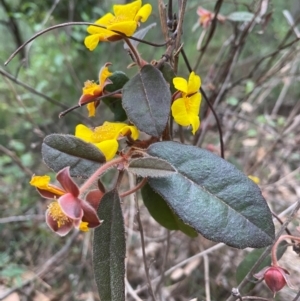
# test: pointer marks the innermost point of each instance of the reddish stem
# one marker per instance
(275, 246)
(100, 171)
(134, 189)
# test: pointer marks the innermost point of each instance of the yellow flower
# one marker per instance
(91, 90)
(185, 109)
(105, 137)
(256, 180)
(126, 19)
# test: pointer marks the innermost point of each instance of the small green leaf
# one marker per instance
(249, 261)
(240, 16)
(147, 101)
(249, 86)
(232, 101)
(252, 133)
(119, 79)
(213, 196)
(162, 213)
(151, 167)
(109, 249)
(59, 151)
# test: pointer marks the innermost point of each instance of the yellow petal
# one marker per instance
(134, 133)
(179, 112)
(180, 84)
(193, 104)
(127, 27)
(127, 11)
(256, 180)
(103, 75)
(104, 21)
(91, 109)
(195, 123)
(91, 42)
(91, 88)
(108, 148)
(42, 182)
(144, 13)
(193, 83)
(83, 226)
(84, 133)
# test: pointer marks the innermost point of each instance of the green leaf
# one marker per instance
(168, 74)
(232, 101)
(119, 79)
(147, 101)
(109, 249)
(240, 16)
(59, 151)
(248, 262)
(250, 85)
(151, 167)
(162, 213)
(213, 196)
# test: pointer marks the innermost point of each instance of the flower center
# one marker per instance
(118, 19)
(57, 214)
(104, 132)
(187, 103)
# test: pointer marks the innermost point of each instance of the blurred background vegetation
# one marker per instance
(258, 114)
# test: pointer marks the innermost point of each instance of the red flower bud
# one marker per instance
(275, 277)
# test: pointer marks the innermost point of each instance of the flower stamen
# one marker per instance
(54, 210)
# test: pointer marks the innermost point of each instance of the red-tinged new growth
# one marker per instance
(68, 209)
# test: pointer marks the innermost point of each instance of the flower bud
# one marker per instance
(275, 277)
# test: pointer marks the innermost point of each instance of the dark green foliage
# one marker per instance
(147, 100)
(60, 151)
(213, 197)
(109, 249)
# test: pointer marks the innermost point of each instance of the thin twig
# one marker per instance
(255, 298)
(164, 264)
(219, 96)
(184, 262)
(47, 265)
(188, 65)
(72, 24)
(33, 91)
(206, 277)
(21, 218)
(16, 159)
(131, 291)
(163, 19)
(211, 32)
(267, 251)
(297, 296)
(64, 113)
(138, 217)
(134, 189)
(179, 30)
